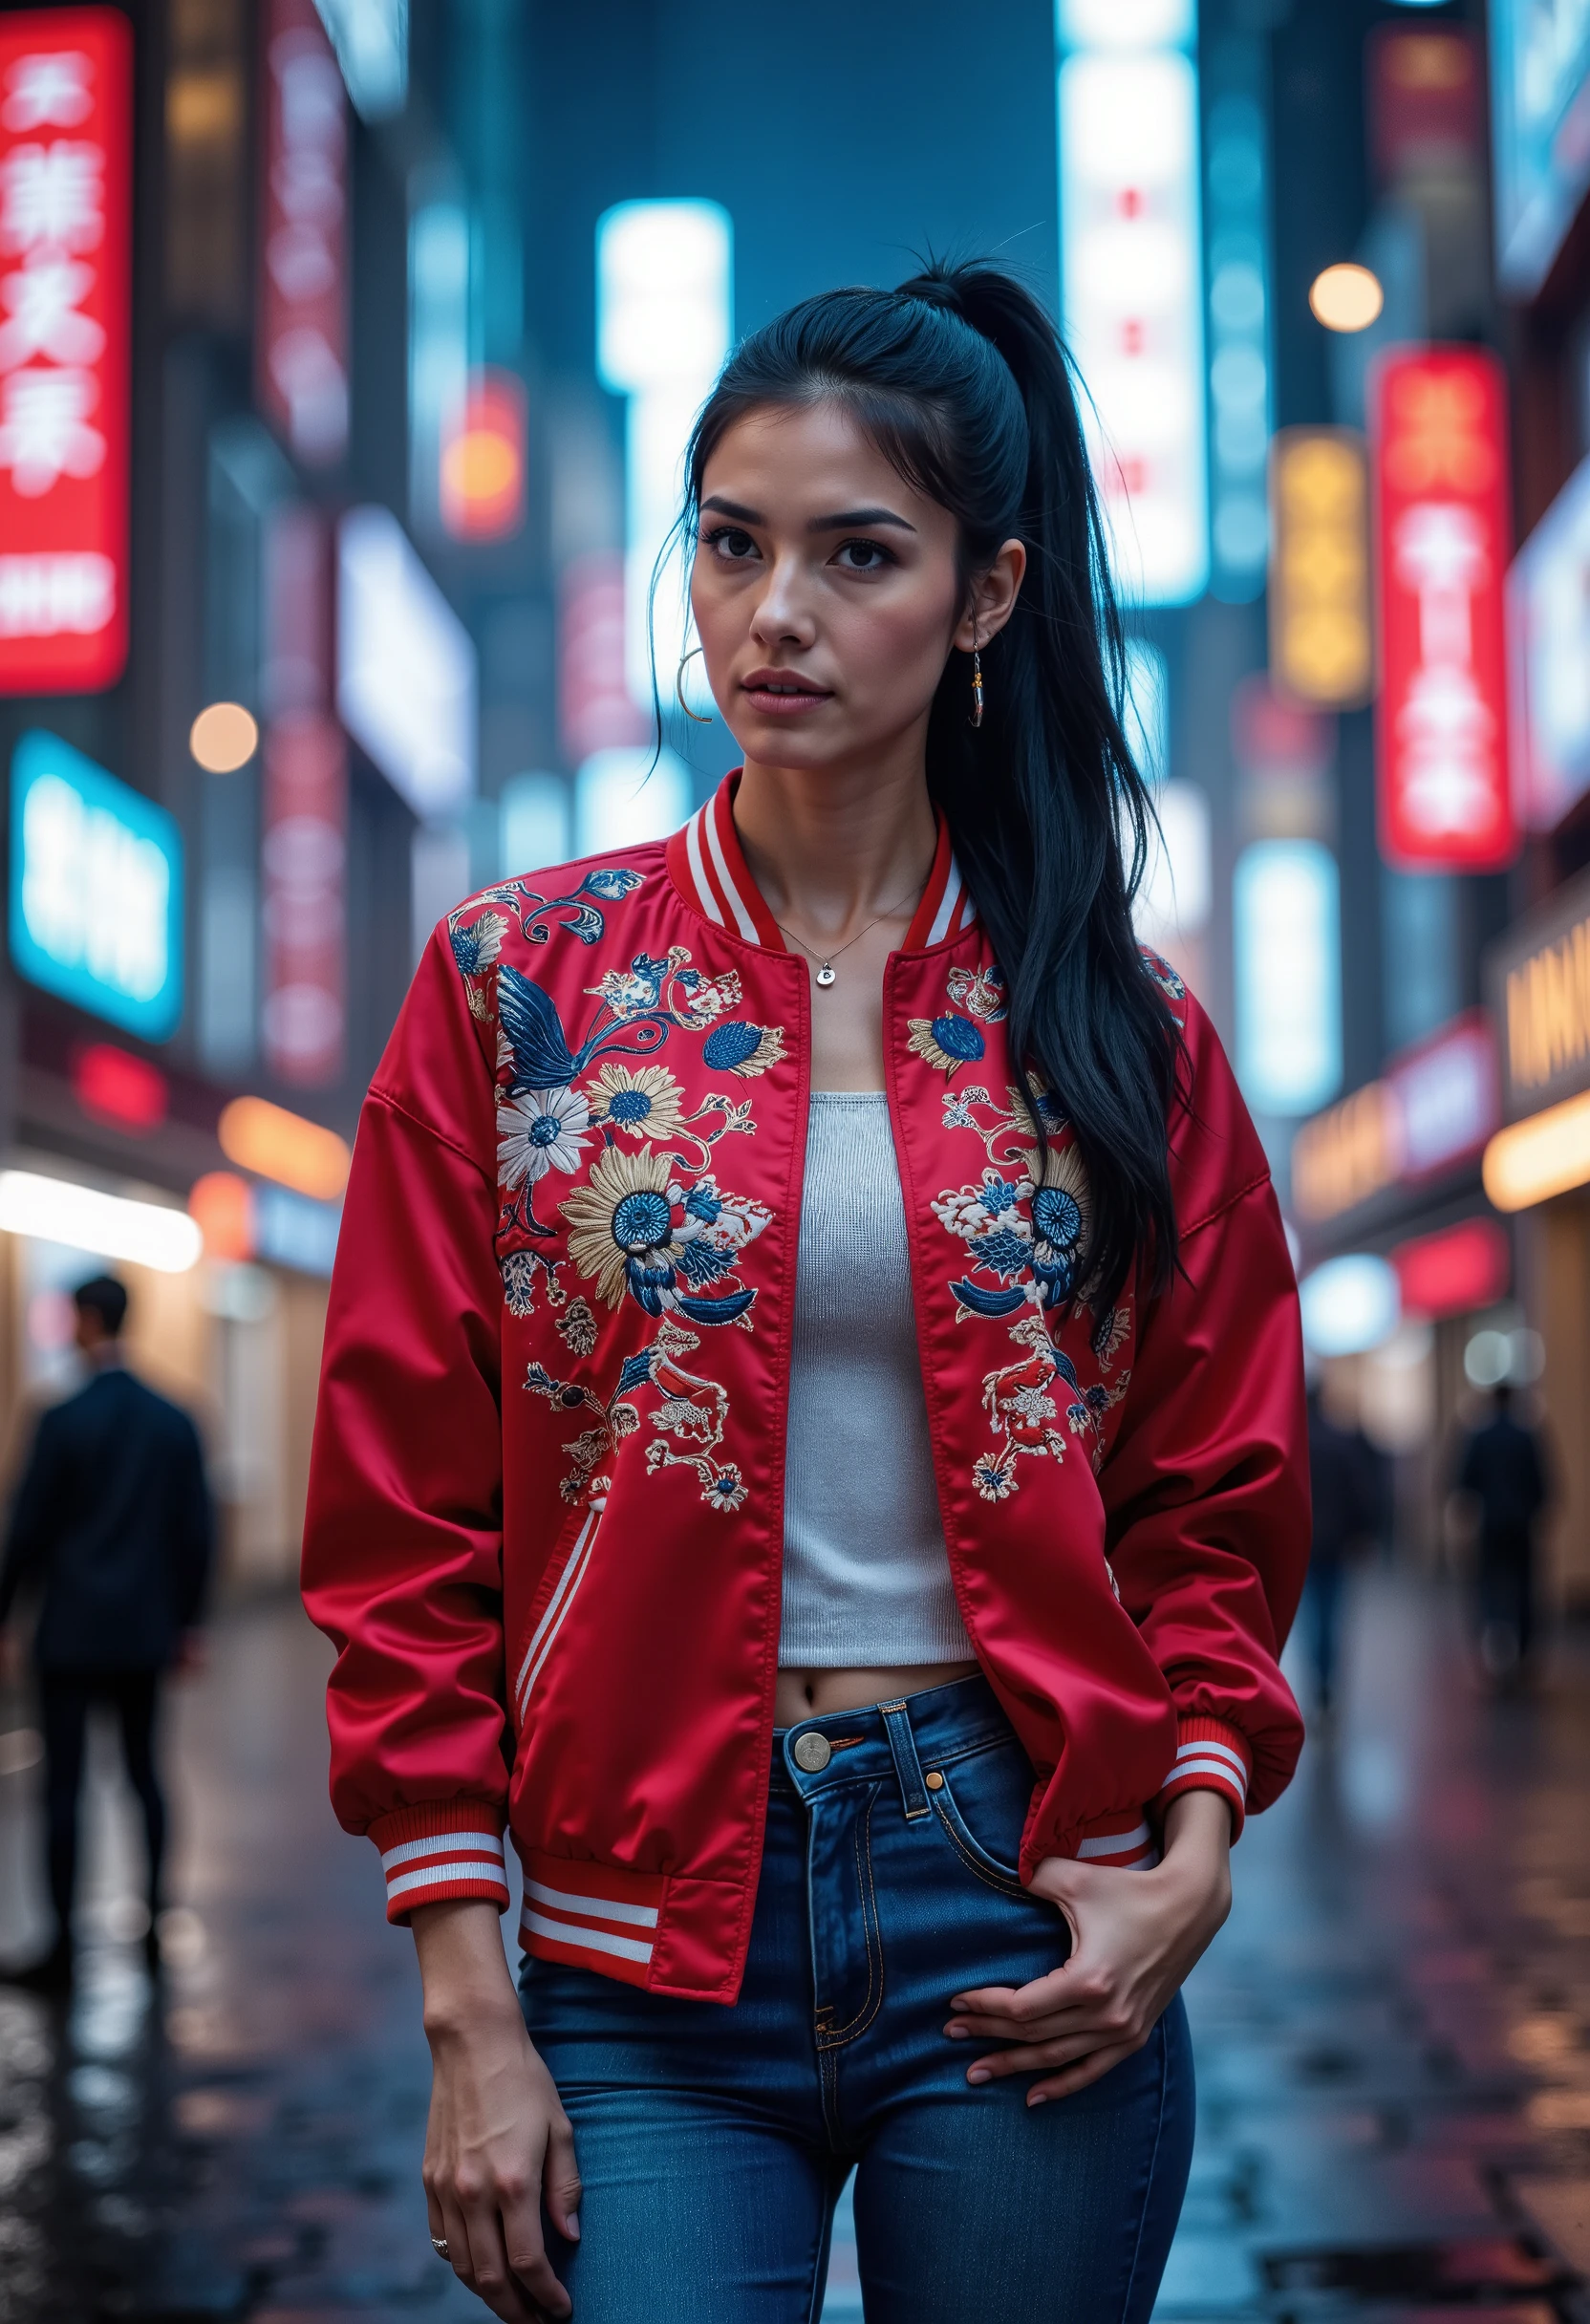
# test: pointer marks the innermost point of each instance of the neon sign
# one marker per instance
(95, 889)
(1440, 458)
(65, 348)
(1132, 279)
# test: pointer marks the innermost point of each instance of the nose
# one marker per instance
(782, 615)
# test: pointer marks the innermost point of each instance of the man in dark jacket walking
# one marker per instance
(113, 1522)
(1503, 1472)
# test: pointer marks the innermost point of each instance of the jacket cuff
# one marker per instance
(1210, 1757)
(1123, 1842)
(439, 1851)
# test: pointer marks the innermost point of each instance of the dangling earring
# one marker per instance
(977, 687)
(702, 718)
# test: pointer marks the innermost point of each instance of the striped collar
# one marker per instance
(706, 865)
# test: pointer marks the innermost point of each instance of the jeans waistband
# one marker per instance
(908, 1738)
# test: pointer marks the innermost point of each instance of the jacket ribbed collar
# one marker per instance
(710, 872)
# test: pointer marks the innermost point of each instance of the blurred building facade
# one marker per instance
(347, 348)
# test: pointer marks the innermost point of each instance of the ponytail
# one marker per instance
(960, 380)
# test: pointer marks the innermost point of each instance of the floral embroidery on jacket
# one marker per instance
(946, 1043)
(981, 992)
(669, 1242)
(476, 928)
(692, 1411)
(1024, 1229)
(648, 1218)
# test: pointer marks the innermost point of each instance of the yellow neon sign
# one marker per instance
(1321, 644)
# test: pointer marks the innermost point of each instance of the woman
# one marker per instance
(811, 1431)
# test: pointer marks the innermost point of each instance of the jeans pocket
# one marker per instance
(981, 1805)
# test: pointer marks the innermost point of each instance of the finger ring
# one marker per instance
(439, 2245)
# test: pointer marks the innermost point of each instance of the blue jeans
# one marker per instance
(712, 2143)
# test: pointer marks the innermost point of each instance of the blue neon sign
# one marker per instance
(95, 908)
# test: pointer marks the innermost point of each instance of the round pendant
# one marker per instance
(824, 975)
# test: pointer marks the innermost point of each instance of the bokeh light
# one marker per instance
(1347, 297)
(224, 738)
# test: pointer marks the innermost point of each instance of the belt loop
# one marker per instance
(908, 1767)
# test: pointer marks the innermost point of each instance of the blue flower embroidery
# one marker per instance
(734, 1046)
(946, 1043)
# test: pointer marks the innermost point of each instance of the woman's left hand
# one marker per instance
(1134, 1937)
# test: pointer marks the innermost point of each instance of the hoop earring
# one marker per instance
(977, 688)
(701, 717)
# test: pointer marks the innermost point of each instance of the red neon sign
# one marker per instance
(302, 341)
(1443, 542)
(114, 1086)
(304, 813)
(1452, 1273)
(66, 77)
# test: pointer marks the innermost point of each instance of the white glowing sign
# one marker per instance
(1287, 935)
(1132, 276)
(663, 323)
(406, 668)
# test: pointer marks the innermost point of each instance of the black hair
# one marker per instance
(102, 1296)
(960, 380)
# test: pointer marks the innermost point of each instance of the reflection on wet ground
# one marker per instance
(1394, 2034)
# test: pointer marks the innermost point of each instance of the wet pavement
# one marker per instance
(1392, 2033)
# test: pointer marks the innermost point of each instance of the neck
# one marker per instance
(104, 1356)
(830, 850)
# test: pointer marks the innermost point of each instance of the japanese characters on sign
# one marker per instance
(65, 216)
(301, 347)
(1131, 271)
(304, 813)
(1439, 442)
(1321, 640)
(95, 889)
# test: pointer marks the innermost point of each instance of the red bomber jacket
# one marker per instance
(545, 1506)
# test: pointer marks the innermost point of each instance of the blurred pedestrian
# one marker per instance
(1341, 1468)
(111, 1525)
(1503, 1471)
(843, 1515)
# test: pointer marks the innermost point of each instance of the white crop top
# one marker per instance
(865, 1575)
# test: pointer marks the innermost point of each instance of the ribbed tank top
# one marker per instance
(866, 1573)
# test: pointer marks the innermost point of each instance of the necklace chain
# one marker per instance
(825, 960)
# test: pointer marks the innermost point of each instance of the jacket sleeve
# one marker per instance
(1206, 1484)
(403, 1546)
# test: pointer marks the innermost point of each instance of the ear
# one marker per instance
(992, 598)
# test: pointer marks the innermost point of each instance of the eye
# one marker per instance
(732, 544)
(864, 556)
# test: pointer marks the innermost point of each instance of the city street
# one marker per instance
(1393, 2033)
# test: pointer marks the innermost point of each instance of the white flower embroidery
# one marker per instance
(542, 1129)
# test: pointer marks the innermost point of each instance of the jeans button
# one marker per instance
(812, 1752)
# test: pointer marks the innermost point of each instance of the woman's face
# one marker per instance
(824, 591)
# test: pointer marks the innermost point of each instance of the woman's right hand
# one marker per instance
(499, 2144)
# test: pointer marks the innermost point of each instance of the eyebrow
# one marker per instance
(843, 520)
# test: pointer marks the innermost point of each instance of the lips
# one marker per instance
(782, 692)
